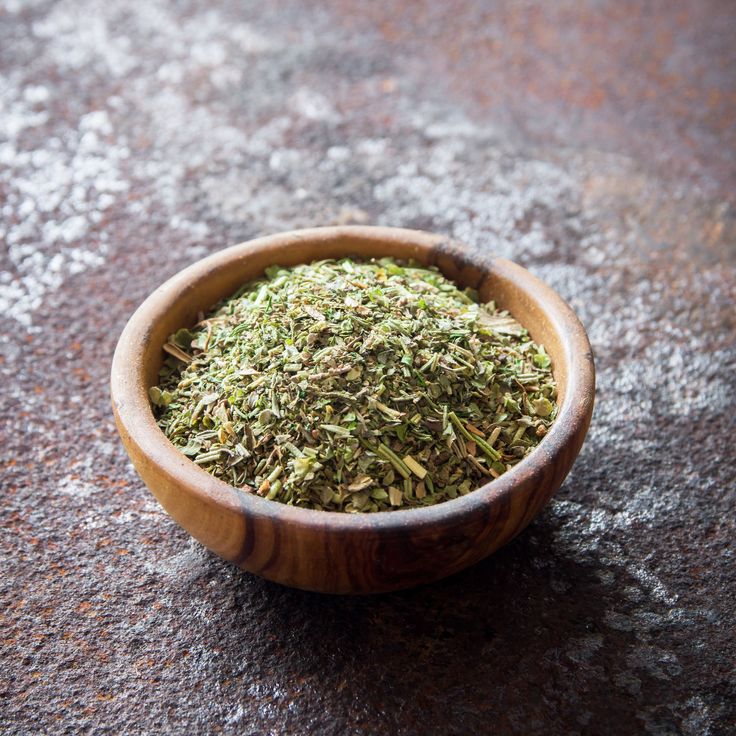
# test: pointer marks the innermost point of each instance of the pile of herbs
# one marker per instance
(355, 386)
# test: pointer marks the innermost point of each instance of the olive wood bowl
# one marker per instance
(330, 551)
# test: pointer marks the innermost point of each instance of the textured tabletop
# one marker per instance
(594, 143)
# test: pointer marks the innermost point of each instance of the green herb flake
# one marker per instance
(355, 386)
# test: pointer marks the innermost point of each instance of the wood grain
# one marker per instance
(330, 551)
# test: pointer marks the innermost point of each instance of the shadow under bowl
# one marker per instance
(331, 551)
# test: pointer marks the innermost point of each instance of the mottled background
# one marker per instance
(593, 142)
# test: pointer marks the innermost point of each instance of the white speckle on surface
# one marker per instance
(97, 120)
(80, 34)
(313, 105)
(371, 147)
(184, 566)
(652, 583)
(210, 53)
(54, 197)
(72, 486)
(285, 160)
(67, 231)
(197, 230)
(338, 153)
(35, 94)
(251, 41)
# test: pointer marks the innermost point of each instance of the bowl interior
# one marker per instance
(197, 289)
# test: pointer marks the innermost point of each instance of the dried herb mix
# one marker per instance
(355, 386)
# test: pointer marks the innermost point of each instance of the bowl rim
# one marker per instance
(134, 414)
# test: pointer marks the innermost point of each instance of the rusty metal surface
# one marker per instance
(591, 142)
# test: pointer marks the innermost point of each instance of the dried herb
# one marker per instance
(355, 386)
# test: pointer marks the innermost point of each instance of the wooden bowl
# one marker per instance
(331, 551)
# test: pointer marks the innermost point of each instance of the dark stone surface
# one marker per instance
(592, 142)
